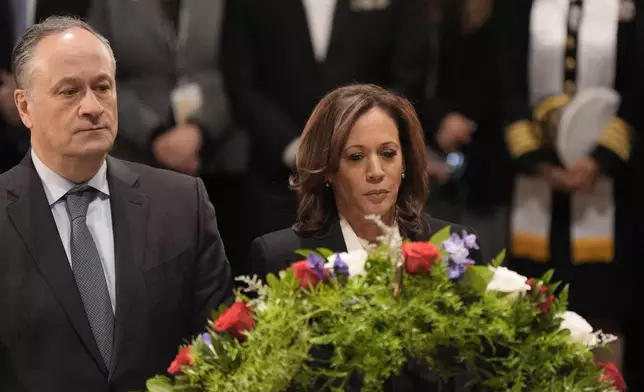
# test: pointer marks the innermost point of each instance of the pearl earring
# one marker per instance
(327, 184)
(402, 175)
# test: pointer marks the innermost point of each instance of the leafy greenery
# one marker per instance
(344, 327)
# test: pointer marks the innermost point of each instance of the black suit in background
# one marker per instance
(274, 252)
(275, 81)
(171, 271)
(14, 140)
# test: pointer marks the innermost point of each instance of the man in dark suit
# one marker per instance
(280, 58)
(15, 17)
(105, 265)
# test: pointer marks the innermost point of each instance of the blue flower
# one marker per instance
(206, 338)
(455, 271)
(458, 249)
(340, 267)
(460, 257)
(470, 240)
(453, 244)
(316, 263)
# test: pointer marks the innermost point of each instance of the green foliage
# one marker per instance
(357, 325)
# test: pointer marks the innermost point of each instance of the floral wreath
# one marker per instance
(372, 310)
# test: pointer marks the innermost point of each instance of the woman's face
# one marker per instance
(370, 169)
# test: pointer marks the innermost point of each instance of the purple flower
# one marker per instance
(206, 338)
(316, 263)
(470, 240)
(455, 271)
(340, 267)
(458, 249)
(453, 244)
(460, 257)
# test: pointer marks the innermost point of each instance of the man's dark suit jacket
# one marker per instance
(275, 81)
(171, 271)
(274, 252)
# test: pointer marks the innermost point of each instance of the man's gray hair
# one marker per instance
(23, 52)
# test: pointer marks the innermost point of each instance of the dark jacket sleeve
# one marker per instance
(212, 280)
(267, 124)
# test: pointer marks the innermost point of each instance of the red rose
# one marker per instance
(307, 276)
(419, 256)
(235, 320)
(184, 358)
(613, 375)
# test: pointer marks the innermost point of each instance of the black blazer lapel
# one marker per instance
(130, 209)
(30, 212)
(332, 240)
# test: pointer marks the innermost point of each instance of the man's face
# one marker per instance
(69, 101)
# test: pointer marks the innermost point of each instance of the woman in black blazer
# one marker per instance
(362, 153)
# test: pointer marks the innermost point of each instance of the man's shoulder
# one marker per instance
(10, 178)
(151, 178)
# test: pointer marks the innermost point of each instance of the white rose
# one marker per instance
(580, 330)
(508, 281)
(355, 260)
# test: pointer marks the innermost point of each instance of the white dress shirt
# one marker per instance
(319, 15)
(351, 239)
(99, 216)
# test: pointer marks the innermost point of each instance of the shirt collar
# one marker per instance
(57, 186)
(351, 239)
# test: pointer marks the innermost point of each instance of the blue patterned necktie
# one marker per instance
(88, 271)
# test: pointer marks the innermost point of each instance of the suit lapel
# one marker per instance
(30, 212)
(332, 240)
(129, 219)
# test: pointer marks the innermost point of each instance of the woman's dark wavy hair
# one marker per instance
(321, 145)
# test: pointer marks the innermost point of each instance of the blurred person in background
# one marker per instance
(15, 17)
(564, 60)
(465, 120)
(281, 57)
(173, 108)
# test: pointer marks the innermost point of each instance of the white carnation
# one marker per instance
(580, 330)
(507, 281)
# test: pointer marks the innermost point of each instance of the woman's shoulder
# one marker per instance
(434, 225)
(274, 251)
(278, 241)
